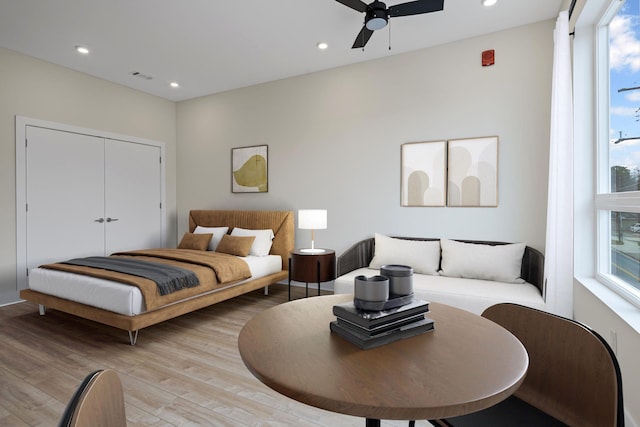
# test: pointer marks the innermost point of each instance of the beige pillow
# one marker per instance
(199, 242)
(235, 245)
(218, 232)
(422, 256)
(262, 243)
(500, 263)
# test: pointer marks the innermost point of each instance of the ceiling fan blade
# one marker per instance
(416, 7)
(358, 5)
(363, 37)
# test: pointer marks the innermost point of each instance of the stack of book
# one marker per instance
(368, 329)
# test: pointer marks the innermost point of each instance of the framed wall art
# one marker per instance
(423, 170)
(249, 169)
(473, 172)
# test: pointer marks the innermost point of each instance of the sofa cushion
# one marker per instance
(468, 294)
(500, 263)
(422, 256)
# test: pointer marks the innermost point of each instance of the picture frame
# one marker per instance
(472, 172)
(250, 169)
(423, 173)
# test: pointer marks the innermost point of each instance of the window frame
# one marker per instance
(605, 201)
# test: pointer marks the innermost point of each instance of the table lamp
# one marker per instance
(312, 219)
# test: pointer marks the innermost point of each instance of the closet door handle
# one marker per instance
(112, 219)
(100, 220)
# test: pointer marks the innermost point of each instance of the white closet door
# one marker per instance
(132, 196)
(65, 195)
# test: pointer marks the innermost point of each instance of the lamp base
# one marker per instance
(312, 251)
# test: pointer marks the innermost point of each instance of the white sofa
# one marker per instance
(471, 275)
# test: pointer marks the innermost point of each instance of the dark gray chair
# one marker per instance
(573, 377)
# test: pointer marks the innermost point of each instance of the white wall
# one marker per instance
(334, 139)
(41, 90)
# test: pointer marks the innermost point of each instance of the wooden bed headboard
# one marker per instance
(281, 222)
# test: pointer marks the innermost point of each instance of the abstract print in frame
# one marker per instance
(473, 172)
(423, 171)
(249, 169)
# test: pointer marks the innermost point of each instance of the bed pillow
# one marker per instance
(262, 243)
(421, 255)
(500, 263)
(218, 232)
(199, 242)
(235, 245)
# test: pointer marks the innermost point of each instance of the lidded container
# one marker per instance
(400, 278)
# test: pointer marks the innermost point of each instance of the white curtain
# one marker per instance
(558, 274)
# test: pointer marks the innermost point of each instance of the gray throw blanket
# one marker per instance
(168, 278)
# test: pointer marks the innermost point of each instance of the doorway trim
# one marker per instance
(21, 182)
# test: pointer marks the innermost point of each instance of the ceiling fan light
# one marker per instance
(489, 3)
(376, 23)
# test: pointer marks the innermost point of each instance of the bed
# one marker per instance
(123, 306)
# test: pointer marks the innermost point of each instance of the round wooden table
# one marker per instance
(466, 364)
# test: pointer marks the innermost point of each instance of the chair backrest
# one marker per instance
(98, 402)
(573, 374)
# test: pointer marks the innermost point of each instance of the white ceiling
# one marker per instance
(211, 46)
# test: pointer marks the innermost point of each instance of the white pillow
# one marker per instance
(218, 232)
(261, 245)
(500, 263)
(422, 255)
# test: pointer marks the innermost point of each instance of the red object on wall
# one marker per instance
(488, 57)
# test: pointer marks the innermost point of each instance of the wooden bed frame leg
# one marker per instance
(42, 309)
(133, 336)
(266, 290)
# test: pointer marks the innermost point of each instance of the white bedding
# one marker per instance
(117, 297)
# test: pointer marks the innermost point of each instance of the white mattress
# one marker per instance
(118, 297)
(468, 294)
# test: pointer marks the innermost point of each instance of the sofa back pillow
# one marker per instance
(422, 255)
(500, 263)
(263, 240)
(217, 232)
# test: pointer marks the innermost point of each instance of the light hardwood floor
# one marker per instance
(185, 371)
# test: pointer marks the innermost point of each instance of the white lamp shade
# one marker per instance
(312, 219)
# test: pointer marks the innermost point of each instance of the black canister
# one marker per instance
(371, 289)
(400, 278)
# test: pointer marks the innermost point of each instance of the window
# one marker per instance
(618, 198)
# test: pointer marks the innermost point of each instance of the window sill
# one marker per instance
(629, 313)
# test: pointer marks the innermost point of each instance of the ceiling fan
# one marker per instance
(377, 14)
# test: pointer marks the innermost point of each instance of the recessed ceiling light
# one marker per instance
(82, 49)
(322, 45)
(488, 3)
(174, 84)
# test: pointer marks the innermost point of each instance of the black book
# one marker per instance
(366, 342)
(376, 330)
(370, 319)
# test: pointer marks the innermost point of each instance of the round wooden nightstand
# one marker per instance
(311, 267)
